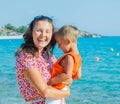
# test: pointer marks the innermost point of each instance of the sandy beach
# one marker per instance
(11, 37)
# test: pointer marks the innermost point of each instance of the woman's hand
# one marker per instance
(68, 82)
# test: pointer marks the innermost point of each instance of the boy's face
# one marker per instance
(63, 44)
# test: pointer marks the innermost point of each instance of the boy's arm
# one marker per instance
(67, 63)
(77, 75)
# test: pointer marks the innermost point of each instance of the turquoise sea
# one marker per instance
(100, 81)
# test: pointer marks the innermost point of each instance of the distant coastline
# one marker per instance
(11, 32)
(12, 37)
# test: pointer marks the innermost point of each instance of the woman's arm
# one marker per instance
(33, 75)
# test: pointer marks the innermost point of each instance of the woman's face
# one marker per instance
(42, 33)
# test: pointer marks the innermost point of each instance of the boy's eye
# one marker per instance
(59, 45)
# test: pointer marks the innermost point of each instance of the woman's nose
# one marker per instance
(43, 33)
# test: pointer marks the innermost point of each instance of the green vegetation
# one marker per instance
(10, 30)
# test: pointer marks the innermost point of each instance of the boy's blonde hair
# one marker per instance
(68, 31)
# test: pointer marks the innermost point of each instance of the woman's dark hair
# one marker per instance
(28, 45)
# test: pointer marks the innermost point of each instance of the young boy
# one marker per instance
(69, 65)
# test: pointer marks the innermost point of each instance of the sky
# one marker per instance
(94, 16)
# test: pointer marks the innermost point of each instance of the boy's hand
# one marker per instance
(49, 83)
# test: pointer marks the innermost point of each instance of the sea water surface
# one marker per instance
(100, 81)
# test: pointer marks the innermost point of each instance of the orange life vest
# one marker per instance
(57, 68)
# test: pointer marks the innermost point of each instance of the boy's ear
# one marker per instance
(68, 40)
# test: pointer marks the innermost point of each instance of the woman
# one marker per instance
(34, 61)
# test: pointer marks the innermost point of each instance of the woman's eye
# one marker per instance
(38, 30)
(47, 31)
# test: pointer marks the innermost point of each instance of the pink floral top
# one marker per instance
(26, 61)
